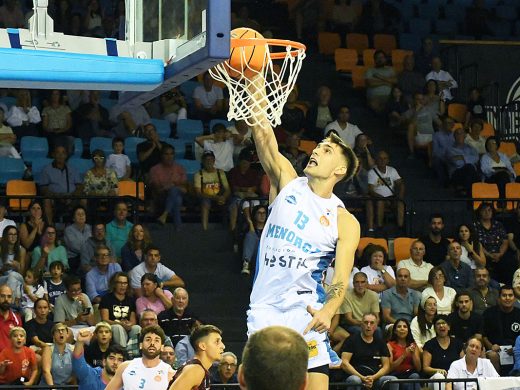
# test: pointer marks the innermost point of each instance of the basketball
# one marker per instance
(246, 60)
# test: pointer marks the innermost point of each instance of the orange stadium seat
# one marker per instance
(345, 59)
(516, 167)
(20, 188)
(358, 77)
(512, 192)
(328, 42)
(359, 42)
(364, 241)
(385, 42)
(398, 56)
(368, 58)
(488, 130)
(483, 191)
(508, 148)
(458, 112)
(402, 247)
(128, 188)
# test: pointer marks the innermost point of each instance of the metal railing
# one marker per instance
(422, 382)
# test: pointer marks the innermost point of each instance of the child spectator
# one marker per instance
(55, 286)
(221, 144)
(18, 363)
(33, 289)
(118, 161)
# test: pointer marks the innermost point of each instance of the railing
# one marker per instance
(469, 383)
(42, 387)
(468, 78)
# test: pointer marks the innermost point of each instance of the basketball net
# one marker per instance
(261, 94)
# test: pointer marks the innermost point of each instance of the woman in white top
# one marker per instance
(380, 276)
(472, 250)
(422, 326)
(470, 366)
(444, 295)
(496, 166)
(23, 116)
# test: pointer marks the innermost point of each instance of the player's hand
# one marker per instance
(320, 321)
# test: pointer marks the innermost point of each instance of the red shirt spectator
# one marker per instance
(8, 318)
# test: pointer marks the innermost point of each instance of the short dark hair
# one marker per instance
(151, 277)
(115, 349)
(71, 280)
(505, 287)
(200, 332)
(379, 51)
(154, 329)
(350, 157)
(57, 264)
(436, 215)
(152, 248)
(491, 138)
(113, 278)
(433, 271)
(279, 351)
(442, 317)
(117, 139)
(166, 148)
(218, 127)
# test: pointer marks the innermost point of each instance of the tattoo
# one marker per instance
(335, 290)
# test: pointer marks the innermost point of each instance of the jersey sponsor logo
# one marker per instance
(291, 199)
(515, 327)
(131, 372)
(283, 233)
(313, 348)
(301, 292)
(285, 262)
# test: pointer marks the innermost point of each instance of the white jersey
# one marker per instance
(138, 377)
(297, 245)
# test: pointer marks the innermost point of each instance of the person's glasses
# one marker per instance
(98, 158)
(228, 365)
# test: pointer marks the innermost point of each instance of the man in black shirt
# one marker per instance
(501, 325)
(464, 322)
(149, 151)
(365, 358)
(436, 245)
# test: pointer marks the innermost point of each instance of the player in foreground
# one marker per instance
(307, 228)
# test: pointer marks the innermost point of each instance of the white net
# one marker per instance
(247, 98)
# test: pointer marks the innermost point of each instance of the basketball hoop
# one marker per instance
(247, 98)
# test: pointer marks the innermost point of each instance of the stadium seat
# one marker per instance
(191, 167)
(358, 77)
(131, 188)
(107, 103)
(508, 148)
(446, 27)
(516, 167)
(409, 41)
(226, 123)
(11, 169)
(368, 58)
(187, 89)
(512, 192)
(398, 56)
(402, 247)
(488, 130)
(307, 146)
(385, 42)
(78, 147)
(162, 126)
(483, 191)
(364, 241)
(328, 42)
(37, 166)
(345, 59)
(33, 147)
(180, 146)
(358, 42)
(102, 143)
(82, 165)
(131, 148)
(20, 188)
(189, 128)
(458, 112)
(420, 27)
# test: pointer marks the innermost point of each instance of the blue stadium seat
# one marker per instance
(406, 9)
(107, 102)
(33, 147)
(420, 27)
(187, 89)
(189, 128)
(409, 41)
(506, 12)
(103, 143)
(191, 167)
(180, 146)
(9, 101)
(131, 148)
(10, 169)
(226, 123)
(162, 127)
(82, 165)
(446, 27)
(37, 166)
(78, 147)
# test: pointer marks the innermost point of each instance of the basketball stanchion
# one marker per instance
(259, 74)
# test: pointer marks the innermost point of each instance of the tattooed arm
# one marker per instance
(348, 240)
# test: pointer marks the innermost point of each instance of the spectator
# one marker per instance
(385, 186)
(410, 80)
(154, 297)
(50, 250)
(292, 152)
(405, 359)
(400, 301)
(12, 258)
(462, 163)
(432, 98)
(500, 325)
(420, 125)
(8, 318)
(19, 362)
(74, 308)
(345, 130)
(380, 81)
(242, 137)
(91, 119)
(168, 355)
(211, 186)
(33, 289)
(396, 106)
(76, 234)
(149, 151)
(380, 276)
(472, 250)
(11, 15)
(98, 278)
(474, 139)
(148, 318)
(152, 264)
(293, 115)
(366, 358)
(58, 181)
(471, 365)
(103, 340)
(493, 237)
(5, 222)
(442, 144)
(55, 286)
(40, 328)
(226, 370)
(445, 80)
(88, 249)
(422, 325)
(436, 245)
(32, 229)
(252, 237)
(118, 309)
(57, 359)
(173, 106)
(358, 302)
(92, 17)
(57, 122)
(130, 120)
(320, 114)
(23, 117)
(464, 322)
(221, 143)
(118, 161)
(424, 57)
(134, 251)
(118, 229)
(168, 184)
(178, 321)
(459, 275)
(496, 166)
(184, 350)
(441, 351)
(419, 269)
(7, 139)
(366, 162)
(443, 295)
(483, 296)
(99, 181)
(476, 107)
(208, 100)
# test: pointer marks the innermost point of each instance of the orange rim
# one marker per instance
(296, 47)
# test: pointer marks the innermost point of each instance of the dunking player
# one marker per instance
(307, 227)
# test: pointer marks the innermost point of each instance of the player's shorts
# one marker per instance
(320, 352)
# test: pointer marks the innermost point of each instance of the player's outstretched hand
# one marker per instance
(320, 321)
